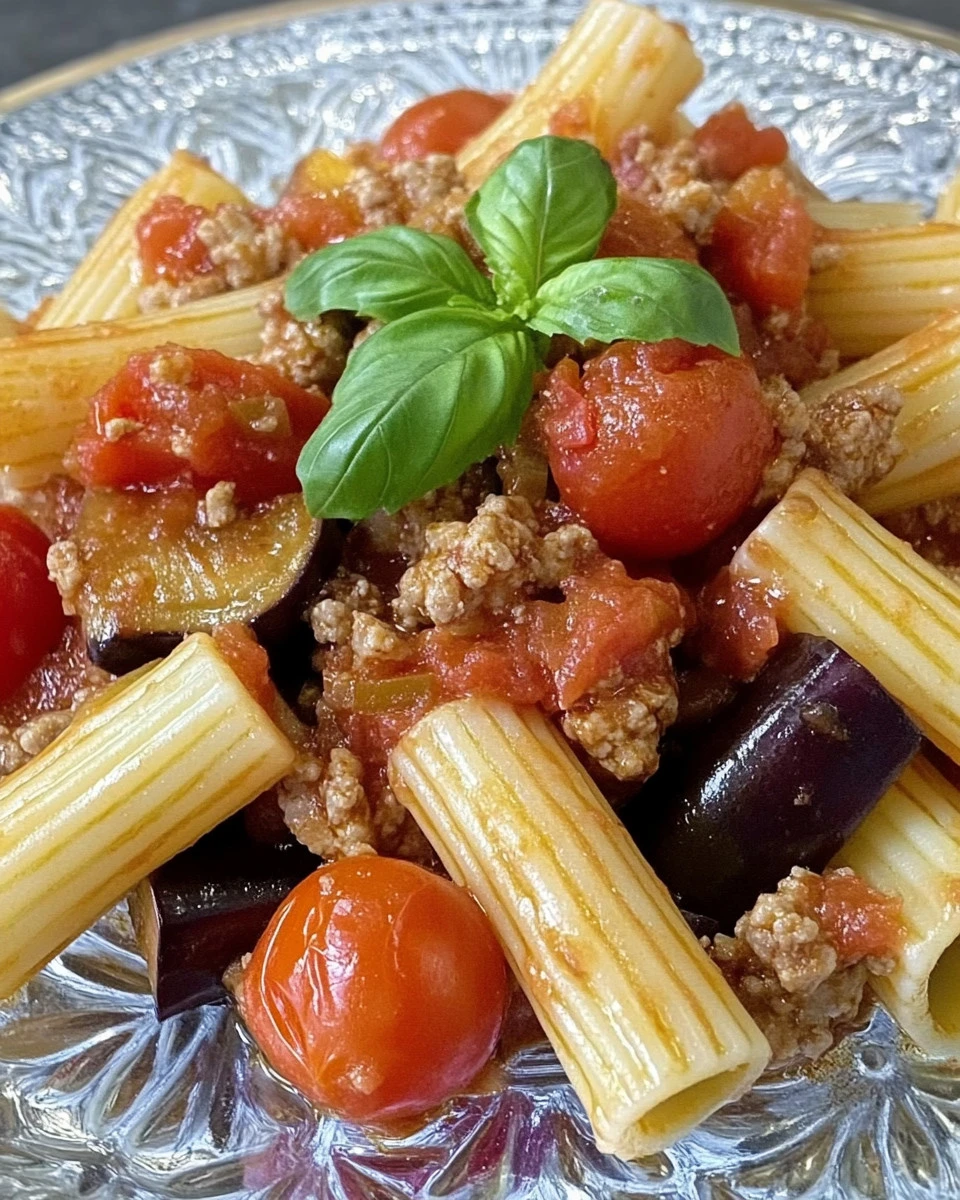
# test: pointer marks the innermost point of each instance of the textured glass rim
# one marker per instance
(47, 82)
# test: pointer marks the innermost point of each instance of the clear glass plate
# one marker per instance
(96, 1099)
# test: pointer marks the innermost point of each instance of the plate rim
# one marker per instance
(264, 16)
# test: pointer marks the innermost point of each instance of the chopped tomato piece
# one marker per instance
(681, 439)
(170, 246)
(858, 921)
(53, 682)
(762, 242)
(174, 415)
(637, 230)
(316, 220)
(737, 629)
(730, 144)
(441, 124)
(31, 614)
(248, 660)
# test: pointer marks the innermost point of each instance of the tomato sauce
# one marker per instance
(858, 921)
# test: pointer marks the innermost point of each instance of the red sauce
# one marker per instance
(637, 230)
(737, 625)
(170, 246)
(52, 684)
(248, 660)
(730, 144)
(798, 351)
(859, 921)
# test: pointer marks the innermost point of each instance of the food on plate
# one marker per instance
(390, 567)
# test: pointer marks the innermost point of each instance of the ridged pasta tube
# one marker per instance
(886, 284)
(948, 204)
(105, 286)
(925, 367)
(910, 846)
(9, 325)
(47, 377)
(838, 573)
(620, 66)
(143, 772)
(864, 214)
(648, 1031)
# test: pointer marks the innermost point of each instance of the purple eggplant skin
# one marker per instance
(779, 779)
(206, 907)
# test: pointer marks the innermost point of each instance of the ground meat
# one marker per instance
(244, 250)
(394, 193)
(792, 418)
(63, 566)
(851, 436)
(933, 529)
(164, 294)
(311, 353)
(218, 508)
(795, 979)
(18, 745)
(671, 179)
(487, 564)
(331, 618)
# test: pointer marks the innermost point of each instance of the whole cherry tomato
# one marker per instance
(31, 615)
(658, 447)
(378, 989)
(441, 124)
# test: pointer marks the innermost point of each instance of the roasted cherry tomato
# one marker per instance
(637, 230)
(441, 124)
(762, 241)
(170, 246)
(378, 989)
(657, 447)
(31, 615)
(195, 416)
(729, 144)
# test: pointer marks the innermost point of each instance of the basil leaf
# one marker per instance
(649, 299)
(420, 400)
(543, 209)
(386, 274)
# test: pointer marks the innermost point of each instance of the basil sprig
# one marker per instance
(449, 376)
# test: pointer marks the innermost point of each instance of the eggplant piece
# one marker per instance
(779, 779)
(150, 573)
(199, 912)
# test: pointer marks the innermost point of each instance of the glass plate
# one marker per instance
(96, 1099)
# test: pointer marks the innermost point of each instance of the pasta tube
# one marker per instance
(909, 845)
(840, 574)
(9, 325)
(948, 205)
(161, 758)
(648, 1031)
(620, 66)
(886, 284)
(46, 378)
(925, 367)
(106, 285)
(864, 214)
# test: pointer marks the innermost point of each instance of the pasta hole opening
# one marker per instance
(943, 991)
(692, 1105)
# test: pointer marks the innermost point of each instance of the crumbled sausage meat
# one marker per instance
(311, 353)
(394, 193)
(671, 178)
(63, 567)
(246, 251)
(331, 618)
(218, 508)
(851, 436)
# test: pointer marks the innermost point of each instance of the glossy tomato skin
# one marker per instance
(378, 989)
(197, 417)
(658, 447)
(317, 220)
(31, 615)
(441, 124)
(169, 241)
(729, 144)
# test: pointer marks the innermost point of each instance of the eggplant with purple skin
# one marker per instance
(206, 907)
(150, 573)
(779, 779)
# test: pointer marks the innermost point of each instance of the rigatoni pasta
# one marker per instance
(158, 760)
(948, 202)
(864, 214)
(650, 1035)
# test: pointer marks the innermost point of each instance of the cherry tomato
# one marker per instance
(729, 144)
(317, 220)
(31, 615)
(170, 246)
(637, 230)
(441, 124)
(195, 416)
(378, 989)
(762, 242)
(657, 447)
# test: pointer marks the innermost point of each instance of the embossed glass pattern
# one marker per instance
(96, 1099)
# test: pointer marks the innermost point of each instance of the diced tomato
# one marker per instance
(681, 439)
(52, 683)
(31, 614)
(317, 220)
(737, 625)
(493, 663)
(170, 246)
(637, 230)
(441, 124)
(858, 920)
(762, 242)
(248, 660)
(730, 144)
(174, 415)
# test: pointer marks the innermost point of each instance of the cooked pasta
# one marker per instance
(649, 1034)
(948, 203)
(9, 325)
(864, 214)
(143, 771)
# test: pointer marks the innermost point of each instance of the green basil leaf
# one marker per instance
(648, 299)
(386, 274)
(542, 209)
(420, 400)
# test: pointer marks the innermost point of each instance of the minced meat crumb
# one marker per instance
(787, 970)
(219, 508)
(672, 178)
(792, 419)
(163, 294)
(311, 353)
(394, 193)
(19, 745)
(933, 529)
(63, 567)
(851, 436)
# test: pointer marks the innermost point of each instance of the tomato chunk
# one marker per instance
(378, 989)
(637, 230)
(441, 124)
(665, 448)
(738, 628)
(31, 615)
(170, 246)
(730, 144)
(318, 219)
(174, 415)
(762, 242)
(858, 920)
(248, 660)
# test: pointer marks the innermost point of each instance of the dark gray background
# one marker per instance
(38, 34)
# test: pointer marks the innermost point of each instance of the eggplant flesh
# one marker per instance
(209, 905)
(151, 574)
(779, 779)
